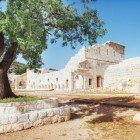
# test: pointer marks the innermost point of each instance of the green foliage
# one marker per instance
(21, 99)
(52, 69)
(32, 23)
(18, 68)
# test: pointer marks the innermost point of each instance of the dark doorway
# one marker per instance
(99, 81)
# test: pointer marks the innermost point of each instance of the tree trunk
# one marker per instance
(9, 56)
(5, 89)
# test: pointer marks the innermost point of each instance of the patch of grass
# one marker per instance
(20, 99)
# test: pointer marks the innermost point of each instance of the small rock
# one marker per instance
(137, 117)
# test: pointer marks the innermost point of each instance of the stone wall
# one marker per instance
(20, 116)
(124, 76)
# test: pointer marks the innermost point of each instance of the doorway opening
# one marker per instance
(99, 81)
(90, 83)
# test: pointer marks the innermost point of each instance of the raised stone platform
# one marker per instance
(23, 107)
(20, 116)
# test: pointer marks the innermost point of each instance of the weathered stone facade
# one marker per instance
(83, 71)
(124, 76)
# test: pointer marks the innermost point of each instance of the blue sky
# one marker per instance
(122, 21)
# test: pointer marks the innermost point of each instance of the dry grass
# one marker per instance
(112, 127)
(115, 130)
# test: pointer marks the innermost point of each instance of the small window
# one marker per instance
(90, 82)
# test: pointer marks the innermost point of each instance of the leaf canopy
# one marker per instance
(32, 23)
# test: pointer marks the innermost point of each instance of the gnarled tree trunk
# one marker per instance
(5, 89)
(9, 56)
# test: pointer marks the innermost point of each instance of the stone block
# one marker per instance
(63, 111)
(2, 110)
(137, 117)
(30, 107)
(42, 114)
(27, 125)
(23, 118)
(38, 122)
(2, 129)
(11, 110)
(47, 120)
(46, 105)
(56, 111)
(39, 106)
(33, 116)
(49, 112)
(13, 119)
(4, 120)
(17, 127)
(7, 128)
(67, 118)
(55, 119)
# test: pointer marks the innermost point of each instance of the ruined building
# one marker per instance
(83, 71)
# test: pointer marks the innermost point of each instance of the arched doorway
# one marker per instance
(78, 82)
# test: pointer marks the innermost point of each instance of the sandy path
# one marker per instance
(77, 129)
(72, 130)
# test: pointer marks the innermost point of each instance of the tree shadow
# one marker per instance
(130, 101)
(105, 109)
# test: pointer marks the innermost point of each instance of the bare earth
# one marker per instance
(99, 122)
(109, 117)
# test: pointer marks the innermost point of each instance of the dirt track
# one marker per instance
(98, 122)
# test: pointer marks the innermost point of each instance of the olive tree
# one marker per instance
(26, 26)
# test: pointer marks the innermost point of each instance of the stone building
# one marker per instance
(83, 71)
(124, 76)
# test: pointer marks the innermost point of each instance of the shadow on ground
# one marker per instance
(105, 109)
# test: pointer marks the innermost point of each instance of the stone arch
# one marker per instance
(78, 82)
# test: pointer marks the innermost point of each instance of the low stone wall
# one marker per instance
(23, 107)
(39, 113)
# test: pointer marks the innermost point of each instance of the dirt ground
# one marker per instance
(99, 122)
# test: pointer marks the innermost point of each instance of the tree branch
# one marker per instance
(9, 56)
